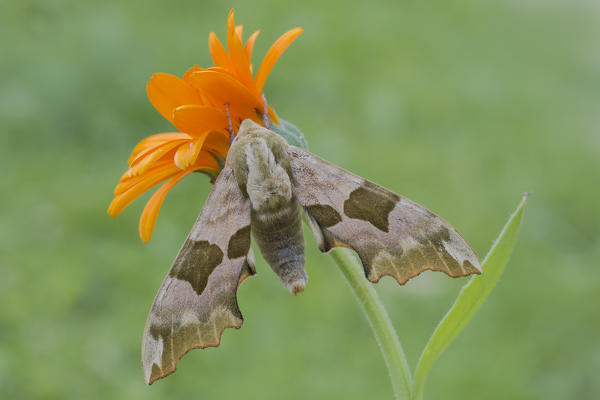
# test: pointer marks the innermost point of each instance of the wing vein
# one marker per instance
(173, 361)
(199, 334)
(440, 257)
(412, 265)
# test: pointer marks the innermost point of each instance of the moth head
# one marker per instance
(250, 132)
(249, 127)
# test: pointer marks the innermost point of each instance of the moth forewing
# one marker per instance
(391, 234)
(197, 300)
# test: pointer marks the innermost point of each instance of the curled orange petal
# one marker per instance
(127, 180)
(147, 144)
(142, 164)
(167, 92)
(187, 153)
(273, 55)
(152, 208)
(140, 186)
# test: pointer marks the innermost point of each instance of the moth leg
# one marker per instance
(231, 132)
(266, 119)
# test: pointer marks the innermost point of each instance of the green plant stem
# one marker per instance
(382, 327)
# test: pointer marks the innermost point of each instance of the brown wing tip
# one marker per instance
(471, 269)
(157, 373)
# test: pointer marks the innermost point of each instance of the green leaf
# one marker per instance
(470, 298)
(291, 133)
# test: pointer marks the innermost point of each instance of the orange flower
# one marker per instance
(197, 106)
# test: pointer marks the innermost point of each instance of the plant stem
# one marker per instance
(382, 327)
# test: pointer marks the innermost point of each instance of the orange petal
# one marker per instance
(152, 208)
(141, 184)
(195, 68)
(167, 92)
(238, 31)
(218, 52)
(138, 157)
(250, 44)
(238, 56)
(222, 88)
(222, 71)
(141, 165)
(150, 142)
(272, 115)
(187, 153)
(186, 76)
(273, 55)
(127, 178)
(196, 120)
(217, 142)
(206, 161)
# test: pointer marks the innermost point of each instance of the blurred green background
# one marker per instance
(460, 106)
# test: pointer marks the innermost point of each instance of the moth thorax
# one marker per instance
(268, 185)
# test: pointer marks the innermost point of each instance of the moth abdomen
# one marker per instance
(280, 238)
(293, 276)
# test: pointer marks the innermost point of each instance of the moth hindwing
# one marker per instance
(262, 190)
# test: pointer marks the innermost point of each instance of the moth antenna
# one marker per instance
(231, 132)
(266, 119)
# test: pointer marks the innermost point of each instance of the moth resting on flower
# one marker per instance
(261, 192)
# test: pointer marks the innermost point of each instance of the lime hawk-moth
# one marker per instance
(262, 190)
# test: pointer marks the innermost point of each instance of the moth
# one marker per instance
(262, 191)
